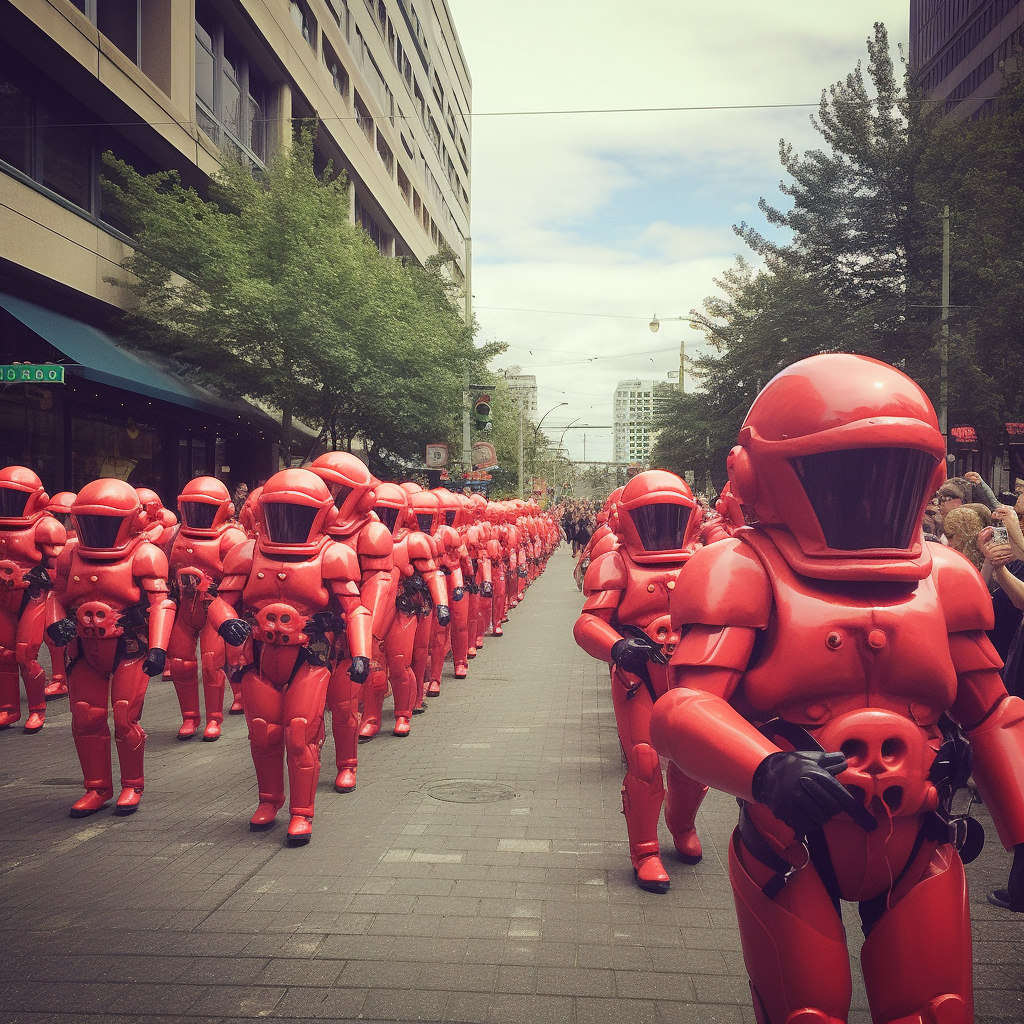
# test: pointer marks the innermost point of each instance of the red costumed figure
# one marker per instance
(112, 605)
(425, 514)
(450, 551)
(60, 508)
(828, 661)
(163, 523)
(292, 582)
(625, 621)
(30, 540)
(351, 486)
(202, 543)
(476, 538)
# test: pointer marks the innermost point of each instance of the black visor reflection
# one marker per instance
(12, 503)
(449, 516)
(341, 492)
(661, 526)
(867, 497)
(425, 520)
(287, 523)
(98, 531)
(198, 514)
(388, 516)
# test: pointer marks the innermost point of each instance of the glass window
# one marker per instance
(204, 66)
(66, 153)
(15, 126)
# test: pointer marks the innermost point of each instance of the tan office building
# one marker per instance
(177, 83)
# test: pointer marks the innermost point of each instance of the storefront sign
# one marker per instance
(31, 373)
(437, 456)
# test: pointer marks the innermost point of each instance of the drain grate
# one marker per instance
(468, 791)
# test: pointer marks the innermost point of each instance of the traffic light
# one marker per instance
(482, 411)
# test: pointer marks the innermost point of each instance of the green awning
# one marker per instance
(96, 356)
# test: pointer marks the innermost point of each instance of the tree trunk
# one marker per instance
(286, 436)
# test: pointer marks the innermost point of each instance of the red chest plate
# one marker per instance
(110, 583)
(645, 600)
(19, 546)
(299, 584)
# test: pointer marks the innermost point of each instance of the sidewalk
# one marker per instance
(478, 873)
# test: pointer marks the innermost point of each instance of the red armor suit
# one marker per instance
(112, 586)
(60, 508)
(198, 551)
(163, 523)
(625, 621)
(450, 554)
(828, 652)
(482, 592)
(417, 581)
(351, 486)
(425, 509)
(30, 539)
(292, 580)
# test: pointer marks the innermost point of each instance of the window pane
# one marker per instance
(15, 126)
(232, 99)
(118, 21)
(66, 159)
(204, 70)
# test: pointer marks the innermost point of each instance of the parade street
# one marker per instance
(479, 872)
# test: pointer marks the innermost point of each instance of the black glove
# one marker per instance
(62, 632)
(155, 662)
(444, 616)
(234, 632)
(631, 655)
(486, 589)
(800, 788)
(521, 572)
(458, 593)
(359, 670)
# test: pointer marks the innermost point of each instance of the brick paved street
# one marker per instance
(478, 873)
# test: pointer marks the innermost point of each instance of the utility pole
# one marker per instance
(467, 445)
(944, 334)
(521, 493)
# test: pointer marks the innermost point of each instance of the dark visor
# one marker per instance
(341, 492)
(12, 503)
(388, 516)
(287, 523)
(199, 514)
(449, 516)
(867, 497)
(426, 520)
(98, 532)
(661, 526)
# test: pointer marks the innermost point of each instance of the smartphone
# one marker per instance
(1000, 535)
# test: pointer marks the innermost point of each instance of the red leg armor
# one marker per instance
(343, 704)
(683, 797)
(460, 635)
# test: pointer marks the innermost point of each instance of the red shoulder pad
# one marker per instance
(375, 541)
(149, 562)
(238, 561)
(340, 562)
(50, 532)
(723, 584)
(233, 535)
(965, 600)
(419, 547)
(606, 572)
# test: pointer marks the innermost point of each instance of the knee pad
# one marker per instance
(646, 762)
(126, 730)
(180, 669)
(8, 660)
(25, 654)
(264, 736)
(300, 737)
(87, 720)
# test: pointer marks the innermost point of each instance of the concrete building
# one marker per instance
(635, 404)
(960, 49)
(524, 385)
(178, 84)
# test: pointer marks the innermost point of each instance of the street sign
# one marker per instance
(437, 456)
(31, 373)
(484, 455)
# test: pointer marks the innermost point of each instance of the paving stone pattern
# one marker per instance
(478, 873)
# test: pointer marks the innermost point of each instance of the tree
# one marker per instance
(265, 289)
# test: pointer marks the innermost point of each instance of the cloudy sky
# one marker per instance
(602, 219)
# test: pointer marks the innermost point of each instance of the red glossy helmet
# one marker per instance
(607, 513)
(478, 503)
(426, 507)
(656, 518)
(107, 516)
(59, 506)
(410, 486)
(293, 509)
(391, 506)
(844, 452)
(351, 486)
(451, 507)
(22, 497)
(205, 506)
(151, 501)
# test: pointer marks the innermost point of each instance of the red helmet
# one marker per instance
(22, 497)
(607, 513)
(107, 516)
(844, 452)
(293, 508)
(59, 506)
(451, 507)
(655, 516)
(351, 486)
(205, 506)
(426, 507)
(392, 506)
(478, 503)
(151, 501)
(410, 486)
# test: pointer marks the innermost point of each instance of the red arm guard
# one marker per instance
(237, 566)
(457, 580)
(595, 633)
(149, 567)
(484, 566)
(357, 624)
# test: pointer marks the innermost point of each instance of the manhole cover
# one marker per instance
(468, 791)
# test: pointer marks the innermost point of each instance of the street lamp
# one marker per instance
(536, 434)
(694, 323)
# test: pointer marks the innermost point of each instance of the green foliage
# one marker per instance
(266, 290)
